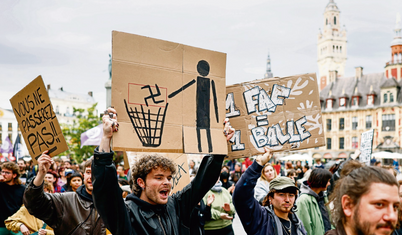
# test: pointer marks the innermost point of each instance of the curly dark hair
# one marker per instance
(145, 165)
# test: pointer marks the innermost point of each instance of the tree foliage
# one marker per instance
(72, 133)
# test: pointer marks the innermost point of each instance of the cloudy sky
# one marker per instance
(69, 42)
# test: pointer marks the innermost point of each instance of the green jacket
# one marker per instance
(309, 213)
(216, 209)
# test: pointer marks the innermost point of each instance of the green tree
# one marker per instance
(72, 133)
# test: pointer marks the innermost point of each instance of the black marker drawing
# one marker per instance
(149, 126)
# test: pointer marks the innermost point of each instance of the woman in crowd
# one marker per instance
(311, 207)
(224, 177)
(261, 189)
(62, 174)
(24, 223)
(222, 211)
(74, 182)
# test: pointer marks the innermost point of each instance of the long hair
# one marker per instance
(12, 166)
(263, 177)
(356, 181)
(145, 165)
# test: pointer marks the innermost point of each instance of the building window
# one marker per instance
(10, 136)
(1, 139)
(57, 109)
(355, 142)
(329, 145)
(385, 98)
(10, 126)
(334, 20)
(326, 21)
(388, 122)
(329, 103)
(370, 100)
(355, 101)
(341, 123)
(369, 120)
(354, 123)
(1, 127)
(341, 143)
(342, 102)
(391, 97)
(329, 124)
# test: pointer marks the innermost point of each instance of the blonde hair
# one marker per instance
(263, 177)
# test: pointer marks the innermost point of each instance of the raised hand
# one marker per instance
(42, 231)
(228, 130)
(44, 164)
(110, 125)
(226, 207)
(210, 199)
(263, 159)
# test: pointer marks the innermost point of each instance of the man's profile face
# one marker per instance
(304, 169)
(88, 180)
(283, 202)
(377, 211)
(156, 187)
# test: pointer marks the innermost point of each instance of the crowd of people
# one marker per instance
(98, 197)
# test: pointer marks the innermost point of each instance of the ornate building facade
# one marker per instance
(353, 105)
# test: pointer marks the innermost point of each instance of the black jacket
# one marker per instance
(135, 216)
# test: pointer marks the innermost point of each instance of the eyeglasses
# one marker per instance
(6, 172)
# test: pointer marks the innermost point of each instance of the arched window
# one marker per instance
(391, 97)
(385, 98)
(340, 49)
(327, 22)
(334, 20)
(337, 49)
(333, 48)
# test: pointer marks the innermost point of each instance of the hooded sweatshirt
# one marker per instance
(312, 211)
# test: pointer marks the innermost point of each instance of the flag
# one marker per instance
(92, 136)
(7, 147)
(17, 150)
(7, 150)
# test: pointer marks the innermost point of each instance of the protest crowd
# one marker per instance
(97, 197)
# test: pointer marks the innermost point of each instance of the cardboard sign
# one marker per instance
(37, 121)
(182, 176)
(281, 113)
(366, 146)
(169, 97)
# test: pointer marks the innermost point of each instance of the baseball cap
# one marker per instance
(281, 182)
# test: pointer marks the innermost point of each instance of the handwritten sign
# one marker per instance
(37, 121)
(169, 96)
(180, 179)
(281, 113)
(366, 146)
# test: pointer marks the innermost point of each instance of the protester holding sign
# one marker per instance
(278, 216)
(150, 203)
(69, 212)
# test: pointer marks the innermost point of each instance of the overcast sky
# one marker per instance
(69, 42)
